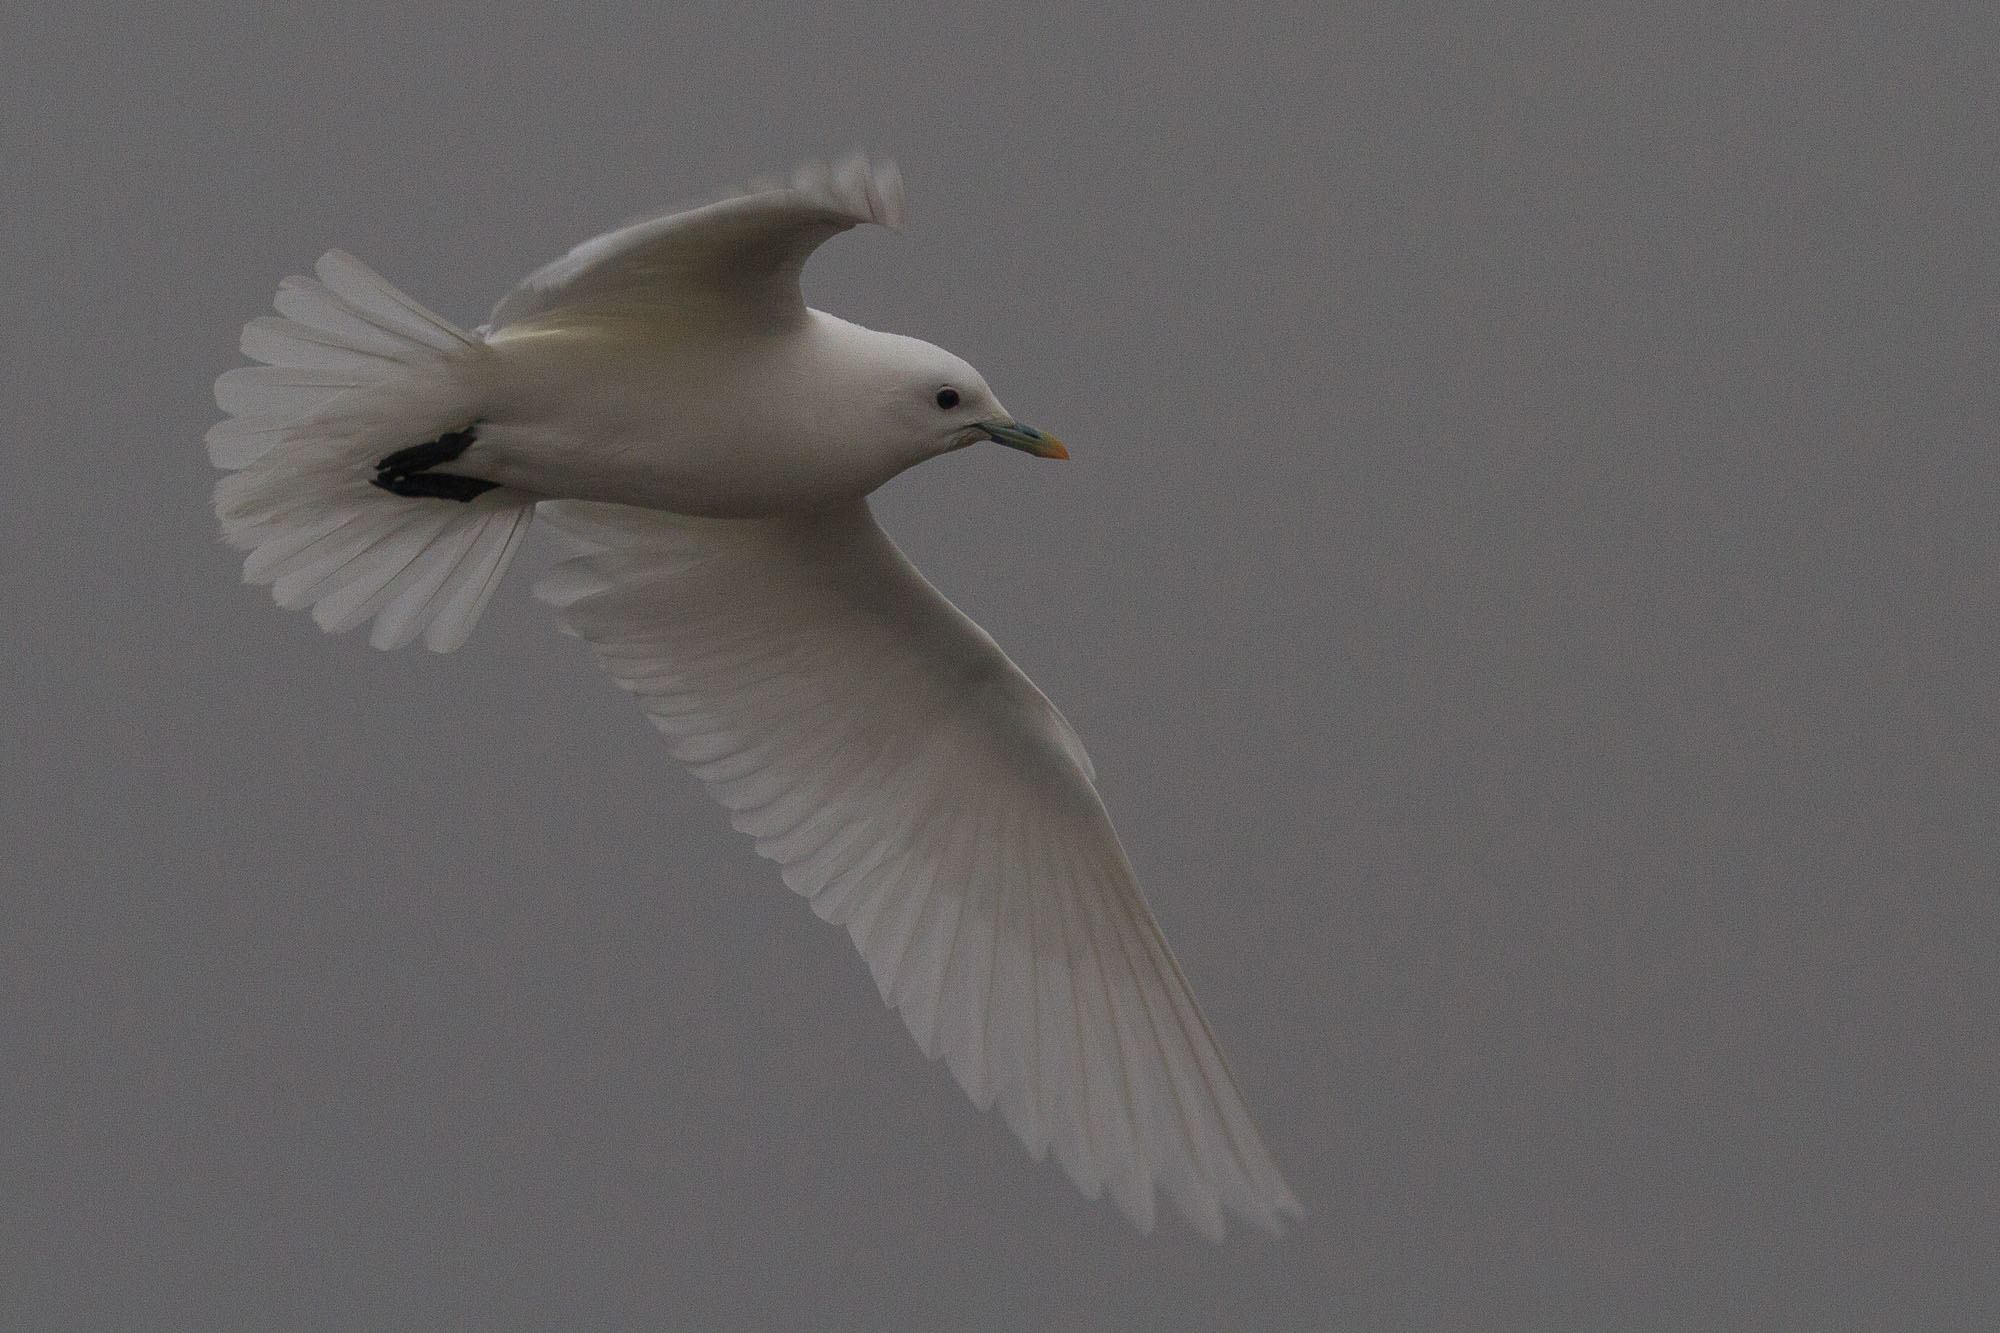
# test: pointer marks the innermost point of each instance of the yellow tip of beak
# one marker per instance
(1017, 435)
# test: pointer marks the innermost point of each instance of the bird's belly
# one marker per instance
(708, 476)
(654, 443)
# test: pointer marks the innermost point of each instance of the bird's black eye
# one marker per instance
(947, 398)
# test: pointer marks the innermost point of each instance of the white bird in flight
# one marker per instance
(664, 395)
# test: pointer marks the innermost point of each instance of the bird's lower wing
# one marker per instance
(917, 788)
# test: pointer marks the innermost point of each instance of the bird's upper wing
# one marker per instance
(917, 788)
(735, 259)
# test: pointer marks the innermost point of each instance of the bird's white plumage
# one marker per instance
(736, 260)
(911, 782)
(919, 790)
(352, 369)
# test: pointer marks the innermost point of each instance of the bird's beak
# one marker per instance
(1016, 435)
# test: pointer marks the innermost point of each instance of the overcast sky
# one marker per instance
(1527, 576)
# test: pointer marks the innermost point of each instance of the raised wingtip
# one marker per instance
(885, 194)
(869, 189)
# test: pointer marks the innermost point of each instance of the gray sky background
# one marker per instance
(1527, 576)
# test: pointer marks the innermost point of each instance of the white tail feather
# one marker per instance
(353, 371)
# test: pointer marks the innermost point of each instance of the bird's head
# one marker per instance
(935, 402)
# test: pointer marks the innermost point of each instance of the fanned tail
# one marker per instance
(353, 372)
